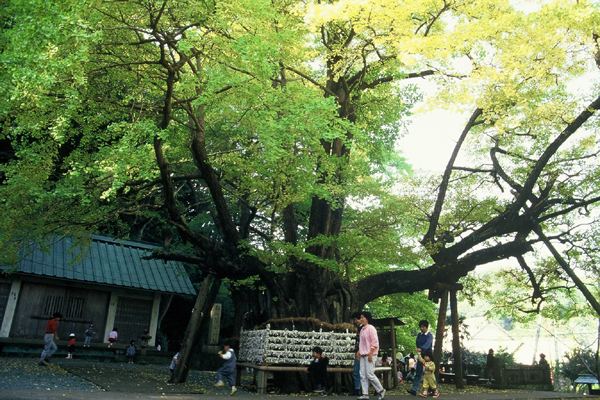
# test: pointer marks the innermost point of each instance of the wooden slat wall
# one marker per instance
(87, 306)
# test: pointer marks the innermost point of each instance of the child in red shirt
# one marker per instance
(71, 348)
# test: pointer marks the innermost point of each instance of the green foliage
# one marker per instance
(511, 297)
(410, 309)
(480, 358)
(503, 354)
(290, 103)
(579, 361)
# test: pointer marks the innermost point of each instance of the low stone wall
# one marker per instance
(529, 376)
(519, 376)
(32, 348)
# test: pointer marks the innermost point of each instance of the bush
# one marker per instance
(580, 361)
(480, 358)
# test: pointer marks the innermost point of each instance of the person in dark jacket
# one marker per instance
(424, 344)
(489, 365)
(317, 370)
(356, 371)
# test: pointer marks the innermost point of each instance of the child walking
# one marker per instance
(227, 370)
(71, 347)
(112, 337)
(318, 370)
(130, 352)
(428, 374)
(174, 363)
(89, 332)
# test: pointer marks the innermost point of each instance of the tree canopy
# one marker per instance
(256, 139)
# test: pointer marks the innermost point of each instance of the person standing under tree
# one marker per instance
(174, 363)
(424, 345)
(356, 371)
(368, 348)
(428, 374)
(546, 367)
(489, 365)
(49, 337)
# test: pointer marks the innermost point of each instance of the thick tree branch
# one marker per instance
(567, 268)
(311, 80)
(375, 286)
(534, 283)
(550, 151)
(429, 237)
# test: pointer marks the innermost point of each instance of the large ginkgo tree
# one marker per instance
(256, 139)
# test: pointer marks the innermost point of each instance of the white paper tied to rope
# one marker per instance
(295, 347)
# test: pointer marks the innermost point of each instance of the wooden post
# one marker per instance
(261, 381)
(439, 332)
(197, 320)
(458, 372)
(394, 346)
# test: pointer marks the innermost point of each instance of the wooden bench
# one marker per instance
(261, 372)
(447, 377)
(386, 374)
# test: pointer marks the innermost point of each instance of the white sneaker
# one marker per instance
(363, 397)
(219, 384)
(382, 394)
(233, 390)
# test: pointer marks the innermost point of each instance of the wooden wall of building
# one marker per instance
(133, 316)
(4, 291)
(80, 307)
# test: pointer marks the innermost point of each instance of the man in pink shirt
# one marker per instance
(367, 350)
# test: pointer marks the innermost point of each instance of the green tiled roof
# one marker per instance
(108, 262)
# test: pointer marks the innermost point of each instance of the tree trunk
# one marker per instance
(309, 294)
(458, 372)
(198, 319)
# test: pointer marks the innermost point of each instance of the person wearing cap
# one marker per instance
(89, 332)
(49, 337)
(71, 347)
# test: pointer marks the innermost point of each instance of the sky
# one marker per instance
(431, 139)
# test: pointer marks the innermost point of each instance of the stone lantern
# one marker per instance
(145, 338)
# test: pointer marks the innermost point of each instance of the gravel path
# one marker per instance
(26, 374)
(76, 375)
